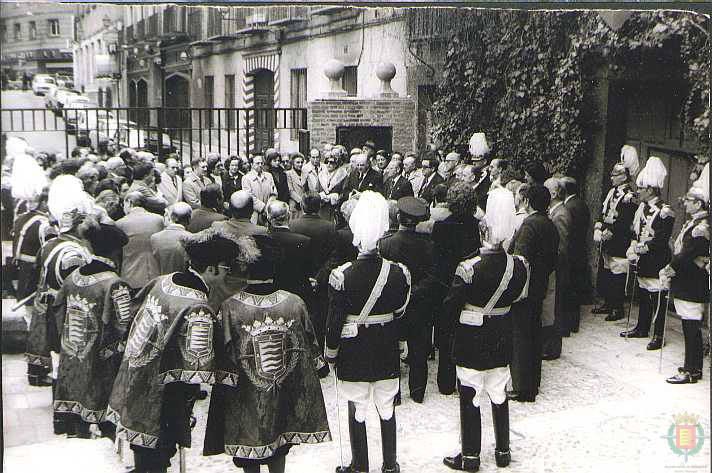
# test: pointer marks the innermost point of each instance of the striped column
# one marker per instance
(250, 66)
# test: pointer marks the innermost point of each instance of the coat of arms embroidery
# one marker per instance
(145, 340)
(79, 329)
(275, 351)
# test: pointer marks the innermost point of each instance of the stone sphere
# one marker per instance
(334, 69)
(386, 71)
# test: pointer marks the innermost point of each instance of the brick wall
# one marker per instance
(325, 115)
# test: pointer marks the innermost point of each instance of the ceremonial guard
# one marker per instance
(93, 314)
(367, 297)
(650, 251)
(268, 344)
(613, 235)
(29, 184)
(170, 351)
(688, 277)
(415, 251)
(479, 149)
(477, 311)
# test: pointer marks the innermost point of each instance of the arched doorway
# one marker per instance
(264, 119)
(177, 89)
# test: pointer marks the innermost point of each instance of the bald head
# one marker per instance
(278, 212)
(241, 204)
(180, 213)
(134, 199)
(360, 162)
(555, 188)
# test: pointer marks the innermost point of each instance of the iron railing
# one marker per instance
(187, 131)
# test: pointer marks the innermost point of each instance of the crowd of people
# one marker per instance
(144, 279)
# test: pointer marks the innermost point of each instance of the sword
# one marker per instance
(22, 302)
(662, 346)
(338, 417)
(632, 294)
(181, 456)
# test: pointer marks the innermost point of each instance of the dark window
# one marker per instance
(230, 99)
(298, 99)
(53, 27)
(349, 81)
(209, 90)
(17, 31)
(3, 33)
(33, 30)
(195, 22)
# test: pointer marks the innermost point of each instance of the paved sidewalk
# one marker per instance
(603, 407)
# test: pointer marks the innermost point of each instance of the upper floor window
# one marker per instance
(53, 27)
(33, 30)
(3, 32)
(17, 29)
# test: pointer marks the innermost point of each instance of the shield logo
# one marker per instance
(199, 338)
(146, 334)
(685, 437)
(79, 328)
(270, 351)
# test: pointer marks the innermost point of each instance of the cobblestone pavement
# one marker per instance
(603, 407)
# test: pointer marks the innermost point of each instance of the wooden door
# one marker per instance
(264, 119)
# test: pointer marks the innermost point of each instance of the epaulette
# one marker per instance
(336, 278)
(465, 270)
(702, 229)
(667, 211)
(72, 257)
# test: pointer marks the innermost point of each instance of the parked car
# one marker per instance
(41, 83)
(62, 96)
(75, 111)
(49, 96)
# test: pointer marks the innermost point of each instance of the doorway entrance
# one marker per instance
(264, 120)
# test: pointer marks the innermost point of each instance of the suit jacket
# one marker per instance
(538, 241)
(453, 240)
(172, 192)
(580, 224)
(397, 186)
(561, 217)
(429, 185)
(281, 184)
(191, 190)
(153, 202)
(482, 187)
(231, 184)
(293, 266)
(203, 218)
(372, 181)
(167, 249)
(322, 234)
(139, 265)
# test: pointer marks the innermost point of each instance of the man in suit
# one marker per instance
(538, 241)
(580, 224)
(240, 209)
(362, 178)
(261, 185)
(322, 232)
(292, 266)
(431, 178)
(144, 183)
(194, 183)
(413, 173)
(171, 186)
(561, 217)
(138, 263)
(166, 245)
(415, 251)
(398, 185)
(209, 211)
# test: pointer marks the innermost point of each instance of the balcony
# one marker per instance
(284, 16)
(256, 21)
(175, 22)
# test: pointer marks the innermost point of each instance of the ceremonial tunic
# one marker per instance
(57, 259)
(652, 227)
(28, 238)
(171, 342)
(365, 347)
(93, 313)
(477, 311)
(268, 344)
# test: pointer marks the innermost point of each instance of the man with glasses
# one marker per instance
(171, 185)
(613, 235)
(431, 178)
(362, 178)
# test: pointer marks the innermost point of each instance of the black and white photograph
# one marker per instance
(353, 237)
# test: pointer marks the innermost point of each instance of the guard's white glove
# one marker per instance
(597, 235)
(606, 235)
(641, 248)
(403, 349)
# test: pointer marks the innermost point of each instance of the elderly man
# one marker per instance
(312, 169)
(366, 299)
(195, 182)
(240, 223)
(413, 174)
(171, 186)
(261, 185)
(210, 209)
(138, 264)
(450, 166)
(362, 178)
(165, 245)
(144, 183)
(89, 176)
(556, 318)
(397, 185)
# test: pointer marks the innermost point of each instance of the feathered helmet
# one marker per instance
(701, 187)
(213, 246)
(15, 146)
(28, 179)
(500, 218)
(67, 201)
(628, 163)
(653, 174)
(478, 146)
(369, 220)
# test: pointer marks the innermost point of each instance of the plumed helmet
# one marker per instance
(15, 146)
(653, 174)
(701, 187)
(628, 162)
(369, 220)
(500, 217)
(28, 179)
(67, 201)
(478, 145)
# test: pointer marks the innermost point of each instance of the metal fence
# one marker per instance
(189, 132)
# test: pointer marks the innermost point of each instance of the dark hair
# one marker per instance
(124, 172)
(107, 184)
(76, 152)
(210, 197)
(537, 171)
(440, 193)
(462, 200)
(230, 160)
(503, 164)
(141, 170)
(311, 203)
(212, 162)
(103, 172)
(126, 156)
(539, 197)
(570, 185)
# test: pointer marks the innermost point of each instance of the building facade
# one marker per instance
(36, 38)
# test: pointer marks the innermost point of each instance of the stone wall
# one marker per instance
(325, 115)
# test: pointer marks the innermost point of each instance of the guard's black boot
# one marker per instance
(359, 444)
(635, 333)
(655, 344)
(470, 434)
(59, 421)
(617, 314)
(500, 419)
(388, 445)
